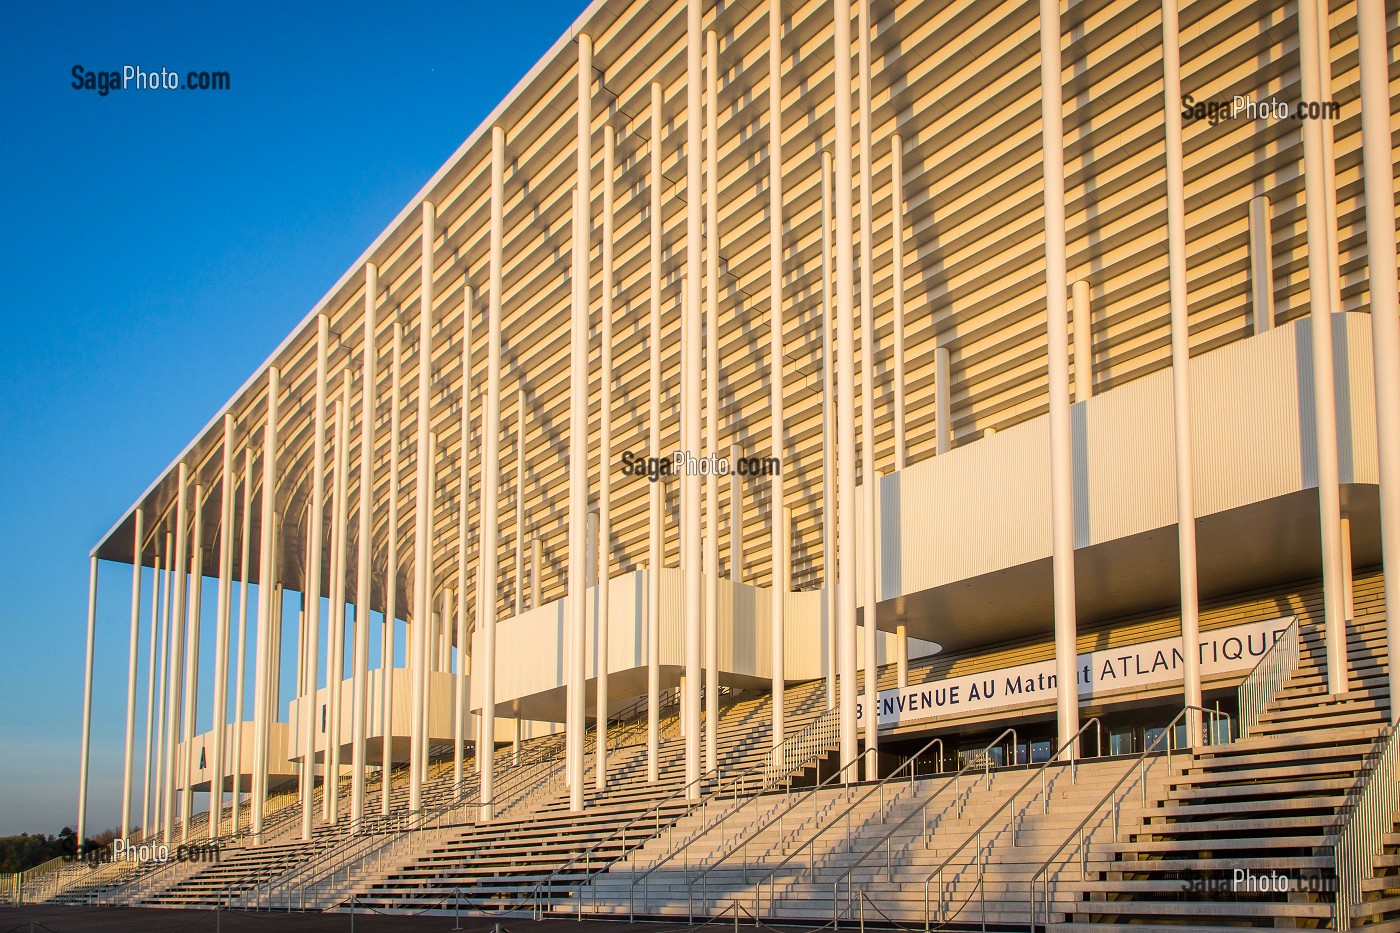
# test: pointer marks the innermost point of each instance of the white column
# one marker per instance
(1377, 168)
(578, 425)
(423, 504)
(942, 401)
(176, 657)
(736, 516)
(1261, 263)
(829, 605)
(360, 679)
(1061, 452)
(484, 668)
(1181, 359)
(220, 712)
(520, 497)
(315, 532)
(1324, 303)
(777, 358)
(656, 491)
(690, 404)
(1083, 329)
(535, 564)
(158, 791)
(391, 570)
(152, 654)
(266, 585)
(605, 378)
(869, 480)
(901, 446)
(461, 701)
(246, 538)
(87, 705)
(711, 539)
(133, 653)
(1348, 597)
(335, 666)
(192, 636)
(847, 532)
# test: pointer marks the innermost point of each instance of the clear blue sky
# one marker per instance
(156, 247)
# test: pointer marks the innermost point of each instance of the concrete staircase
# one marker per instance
(1237, 818)
(546, 851)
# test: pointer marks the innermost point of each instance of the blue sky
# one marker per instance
(156, 247)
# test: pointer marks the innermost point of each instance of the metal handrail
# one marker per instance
(1140, 765)
(982, 760)
(1270, 673)
(653, 814)
(703, 877)
(976, 834)
(1370, 813)
(401, 825)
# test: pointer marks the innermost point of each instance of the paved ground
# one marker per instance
(146, 920)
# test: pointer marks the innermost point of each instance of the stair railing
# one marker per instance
(762, 776)
(851, 806)
(390, 832)
(1139, 766)
(1369, 813)
(1272, 671)
(1038, 774)
(982, 760)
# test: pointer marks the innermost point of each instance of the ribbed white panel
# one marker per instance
(985, 507)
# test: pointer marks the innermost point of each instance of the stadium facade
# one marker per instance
(878, 347)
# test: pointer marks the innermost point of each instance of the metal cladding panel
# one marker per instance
(986, 506)
(967, 512)
(1124, 474)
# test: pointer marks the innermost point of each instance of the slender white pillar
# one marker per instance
(176, 665)
(391, 570)
(605, 379)
(1377, 171)
(711, 539)
(1083, 329)
(901, 446)
(484, 668)
(578, 424)
(87, 706)
(829, 606)
(340, 561)
(657, 491)
(219, 716)
(869, 480)
(423, 504)
(462, 702)
(520, 497)
(1261, 263)
(1057, 313)
(942, 401)
(133, 654)
(578, 505)
(240, 677)
(847, 531)
(192, 636)
(535, 564)
(359, 703)
(152, 654)
(158, 791)
(315, 545)
(692, 584)
(1181, 360)
(1324, 303)
(736, 515)
(266, 585)
(1348, 597)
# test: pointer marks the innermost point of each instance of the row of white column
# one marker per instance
(175, 605)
